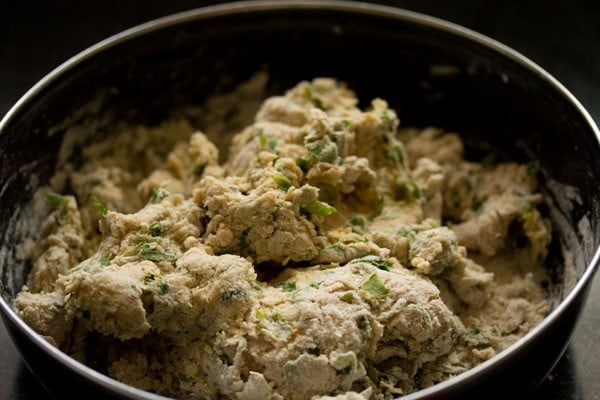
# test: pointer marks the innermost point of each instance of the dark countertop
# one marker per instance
(562, 37)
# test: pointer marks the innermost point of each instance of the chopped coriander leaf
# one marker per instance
(319, 208)
(374, 288)
(147, 251)
(272, 144)
(377, 209)
(408, 233)
(395, 154)
(357, 224)
(100, 206)
(155, 195)
(233, 295)
(301, 163)
(90, 266)
(103, 262)
(308, 92)
(375, 261)
(322, 151)
(372, 373)
(347, 297)
(163, 286)
(157, 229)
(385, 116)
(262, 140)
(282, 182)
(287, 286)
(57, 200)
(406, 190)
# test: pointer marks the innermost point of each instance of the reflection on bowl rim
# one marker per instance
(472, 374)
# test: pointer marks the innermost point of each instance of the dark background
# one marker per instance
(561, 36)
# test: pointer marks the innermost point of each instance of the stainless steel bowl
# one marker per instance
(494, 96)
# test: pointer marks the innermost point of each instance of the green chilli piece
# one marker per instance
(375, 261)
(357, 224)
(148, 252)
(407, 190)
(319, 208)
(377, 209)
(100, 206)
(308, 92)
(157, 229)
(408, 233)
(322, 151)
(282, 182)
(374, 288)
(287, 286)
(57, 200)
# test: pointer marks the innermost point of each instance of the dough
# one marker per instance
(332, 255)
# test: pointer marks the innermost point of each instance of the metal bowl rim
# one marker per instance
(242, 7)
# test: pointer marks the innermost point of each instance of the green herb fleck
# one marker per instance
(149, 278)
(323, 152)
(57, 200)
(395, 154)
(347, 297)
(262, 140)
(319, 208)
(261, 314)
(301, 163)
(408, 233)
(376, 261)
(315, 285)
(148, 251)
(406, 190)
(157, 229)
(233, 294)
(374, 288)
(287, 286)
(377, 209)
(357, 224)
(282, 182)
(163, 286)
(309, 93)
(155, 195)
(104, 261)
(372, 373)
(272, 144)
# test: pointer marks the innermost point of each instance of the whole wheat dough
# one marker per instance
(332, 255)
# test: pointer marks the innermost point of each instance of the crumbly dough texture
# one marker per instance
(332, 255)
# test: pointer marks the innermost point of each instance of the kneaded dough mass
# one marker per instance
(332, 255)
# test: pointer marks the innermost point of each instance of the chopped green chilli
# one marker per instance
(374, 289)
